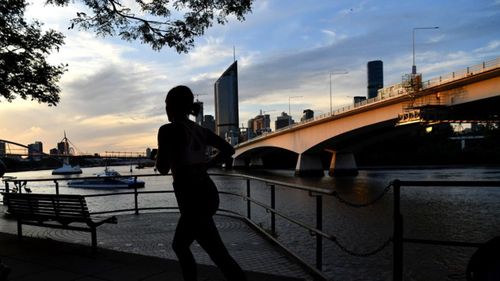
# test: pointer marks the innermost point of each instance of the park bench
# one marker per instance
(61, 211)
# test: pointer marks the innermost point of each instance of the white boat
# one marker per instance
(66, 168)
(107, 179)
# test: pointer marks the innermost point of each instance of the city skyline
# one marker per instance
(112, 95)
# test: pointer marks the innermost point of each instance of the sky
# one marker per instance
(112, 96)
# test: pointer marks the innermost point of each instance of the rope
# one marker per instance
(361, 205)
(366, 254)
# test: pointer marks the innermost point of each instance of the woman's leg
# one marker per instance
(209, 239)
(183, 238)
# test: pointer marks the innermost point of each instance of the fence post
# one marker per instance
(249, 203)
(273, 205)
(136, 203)
(398, 235)
(319, 226)
(57, 186)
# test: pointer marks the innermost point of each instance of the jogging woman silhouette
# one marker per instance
(182, 149)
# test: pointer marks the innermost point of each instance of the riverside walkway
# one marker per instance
(137, 248)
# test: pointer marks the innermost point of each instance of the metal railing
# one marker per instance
(316, 231)
(20, 185)
(398, 236)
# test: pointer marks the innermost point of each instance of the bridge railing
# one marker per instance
(462, 73)
(392, 92)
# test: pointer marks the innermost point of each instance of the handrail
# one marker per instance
(316, 231)
(237, 175)
(398, 235)
(313, 191)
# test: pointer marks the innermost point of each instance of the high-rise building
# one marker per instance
(258, 125)
(283, 121)
(35, 150)
(226, 105)
(2, 148)
(306, 115)
(62, 148)
(199, 117)
(375, 77)
(209, 123)
(250, 129)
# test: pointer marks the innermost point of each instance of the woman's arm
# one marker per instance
(225, 150)
(162, 163)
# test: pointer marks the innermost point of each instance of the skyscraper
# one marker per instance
(226, 105)
(35, 150)
(2, 148)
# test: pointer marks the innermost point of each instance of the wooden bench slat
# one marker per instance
(59, 210)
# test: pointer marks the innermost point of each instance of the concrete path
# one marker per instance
(137, 248)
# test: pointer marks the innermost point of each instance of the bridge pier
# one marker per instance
(343, 164)
(256, 161)
(239, 163)
(309, 165)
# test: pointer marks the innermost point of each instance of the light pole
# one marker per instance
(414, 67)
(289, 111)
(333, 73)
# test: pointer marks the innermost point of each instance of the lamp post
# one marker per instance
(333, 73)
(289, 111)
(414, 67)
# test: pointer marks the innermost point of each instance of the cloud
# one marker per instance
(212, 50)
(492, 46)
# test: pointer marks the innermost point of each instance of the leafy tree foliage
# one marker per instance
(155, 22)
(24, 70)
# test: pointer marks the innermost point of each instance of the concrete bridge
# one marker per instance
(472, 94)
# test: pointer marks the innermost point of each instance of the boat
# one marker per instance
(66, 168)
(107, 179)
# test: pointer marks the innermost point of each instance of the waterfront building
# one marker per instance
(62, 148)
(258, 125)
(358, 99)
(35, 150)
(209, 122)
(2, 148)
(199, 117)
(54, 151)
(306, 115)
(148, 153)
(226, 105)
(375, 75)
(283, 121)
(250, 129)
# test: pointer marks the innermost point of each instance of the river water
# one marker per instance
(440, 213)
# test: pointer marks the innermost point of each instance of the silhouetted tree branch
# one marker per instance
(175, 23)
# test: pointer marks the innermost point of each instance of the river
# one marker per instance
(447, 213)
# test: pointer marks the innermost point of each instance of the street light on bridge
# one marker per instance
(289, 111)
(414, 66)
(334, 73)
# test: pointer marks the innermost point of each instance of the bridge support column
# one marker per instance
(239, 163)
(343, 164)
(256, 162)
(309, 165)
